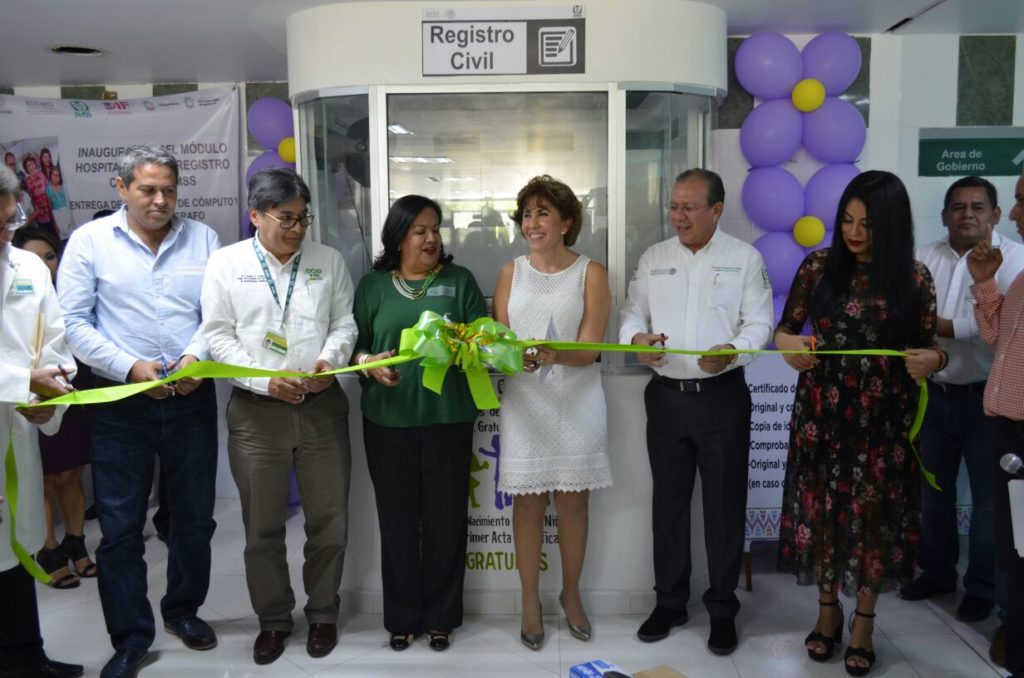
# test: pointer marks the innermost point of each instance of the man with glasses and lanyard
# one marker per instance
(277, 301)
(129, 284)
(31, 334)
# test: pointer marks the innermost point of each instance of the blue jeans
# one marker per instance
(127, 436)
(955, 428)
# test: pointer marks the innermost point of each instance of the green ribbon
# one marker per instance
(474, 347)
(23, 556)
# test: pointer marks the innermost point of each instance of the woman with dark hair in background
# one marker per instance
(418, 444)
(46, 163)
(852, 498)
(64, 455)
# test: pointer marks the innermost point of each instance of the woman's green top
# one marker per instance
(381, 314)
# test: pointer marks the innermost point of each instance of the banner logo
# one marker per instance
(80, 108)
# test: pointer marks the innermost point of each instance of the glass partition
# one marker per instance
(336, 159)
(665, 135)
(473, 152)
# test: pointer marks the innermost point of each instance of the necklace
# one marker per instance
(409, 292)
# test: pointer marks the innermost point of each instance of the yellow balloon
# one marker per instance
(286, 149)
(809, 231)
(808, 95)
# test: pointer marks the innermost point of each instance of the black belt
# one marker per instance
(705, 385)
(245, 393)
(976, 387)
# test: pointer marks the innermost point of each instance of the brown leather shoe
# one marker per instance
(997, 651)
(322, 639)
(269, 646)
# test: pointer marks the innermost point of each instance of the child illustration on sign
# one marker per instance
(501, 500)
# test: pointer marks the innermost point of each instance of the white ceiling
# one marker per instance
(154, 41)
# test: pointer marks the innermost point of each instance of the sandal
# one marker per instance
(54, 561)
(73, 547)
(440, 640)
(829, 642)
(401, 641)
(861, 652)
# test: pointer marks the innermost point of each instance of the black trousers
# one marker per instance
(707, 432)
(1009, 437)
(21, 644)
(421, 482)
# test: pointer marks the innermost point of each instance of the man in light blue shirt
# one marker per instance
(129, 285)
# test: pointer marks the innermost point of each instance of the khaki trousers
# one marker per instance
(266, 439)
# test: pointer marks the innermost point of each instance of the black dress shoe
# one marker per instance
(194, 632)
(974, 609)
(997, 650)
(921, 589)
(124, 664)
(722, 640)
(43, 668)
(321, 639)
(658, 624)
(268, 646)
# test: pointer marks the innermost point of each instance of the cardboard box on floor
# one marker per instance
(662, 671)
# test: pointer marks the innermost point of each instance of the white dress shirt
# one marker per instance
(239, 310)
(122, 303)
(26, 293)
(970, 358)
(717, 295)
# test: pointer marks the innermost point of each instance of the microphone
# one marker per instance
(1012, 464)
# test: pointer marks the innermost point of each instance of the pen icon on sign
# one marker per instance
(557, 46)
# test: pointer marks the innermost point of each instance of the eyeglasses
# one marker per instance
(688, 210)
(305, 219)
(17, 220)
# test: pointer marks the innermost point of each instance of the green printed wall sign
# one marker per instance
(961, 151)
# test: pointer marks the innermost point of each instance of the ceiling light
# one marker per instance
(398, 129)
(420, 160)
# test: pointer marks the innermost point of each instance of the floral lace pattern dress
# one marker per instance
(852, 498)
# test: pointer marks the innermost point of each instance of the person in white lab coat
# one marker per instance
(31, 368)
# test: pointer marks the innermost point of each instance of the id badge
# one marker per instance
(22, 286)
(275, 342)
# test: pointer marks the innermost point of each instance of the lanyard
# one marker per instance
(270, 279)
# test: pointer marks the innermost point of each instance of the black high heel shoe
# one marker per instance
(861, 652)
(53, 561)
(829, 642)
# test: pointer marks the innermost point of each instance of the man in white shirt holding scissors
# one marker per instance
(702, 290)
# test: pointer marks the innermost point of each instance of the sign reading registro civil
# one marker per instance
(960, 151)
(504, 41)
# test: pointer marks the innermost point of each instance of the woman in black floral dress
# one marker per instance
(851, 504)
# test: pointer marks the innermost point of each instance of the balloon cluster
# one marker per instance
(270, 124)
(800, 106)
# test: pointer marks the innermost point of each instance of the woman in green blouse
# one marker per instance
(418, 444)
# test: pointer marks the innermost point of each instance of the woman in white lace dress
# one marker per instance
(553, 429)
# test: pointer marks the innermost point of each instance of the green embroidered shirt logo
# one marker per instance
(315, 273)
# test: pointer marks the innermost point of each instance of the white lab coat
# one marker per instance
(26, 291)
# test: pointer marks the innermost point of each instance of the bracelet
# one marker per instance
(943, 359)
(362, 360)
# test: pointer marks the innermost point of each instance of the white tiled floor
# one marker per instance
(911, 639)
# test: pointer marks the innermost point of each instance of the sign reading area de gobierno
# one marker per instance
(962, 151)
(504, 41)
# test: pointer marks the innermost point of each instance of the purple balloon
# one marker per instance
(768, 65)
(834, 60)
(773, 198)
(771, 133)
(834, 133)
(824, 190)
(270, 120)
(267, 160)
(826, 241)
(782, 256)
